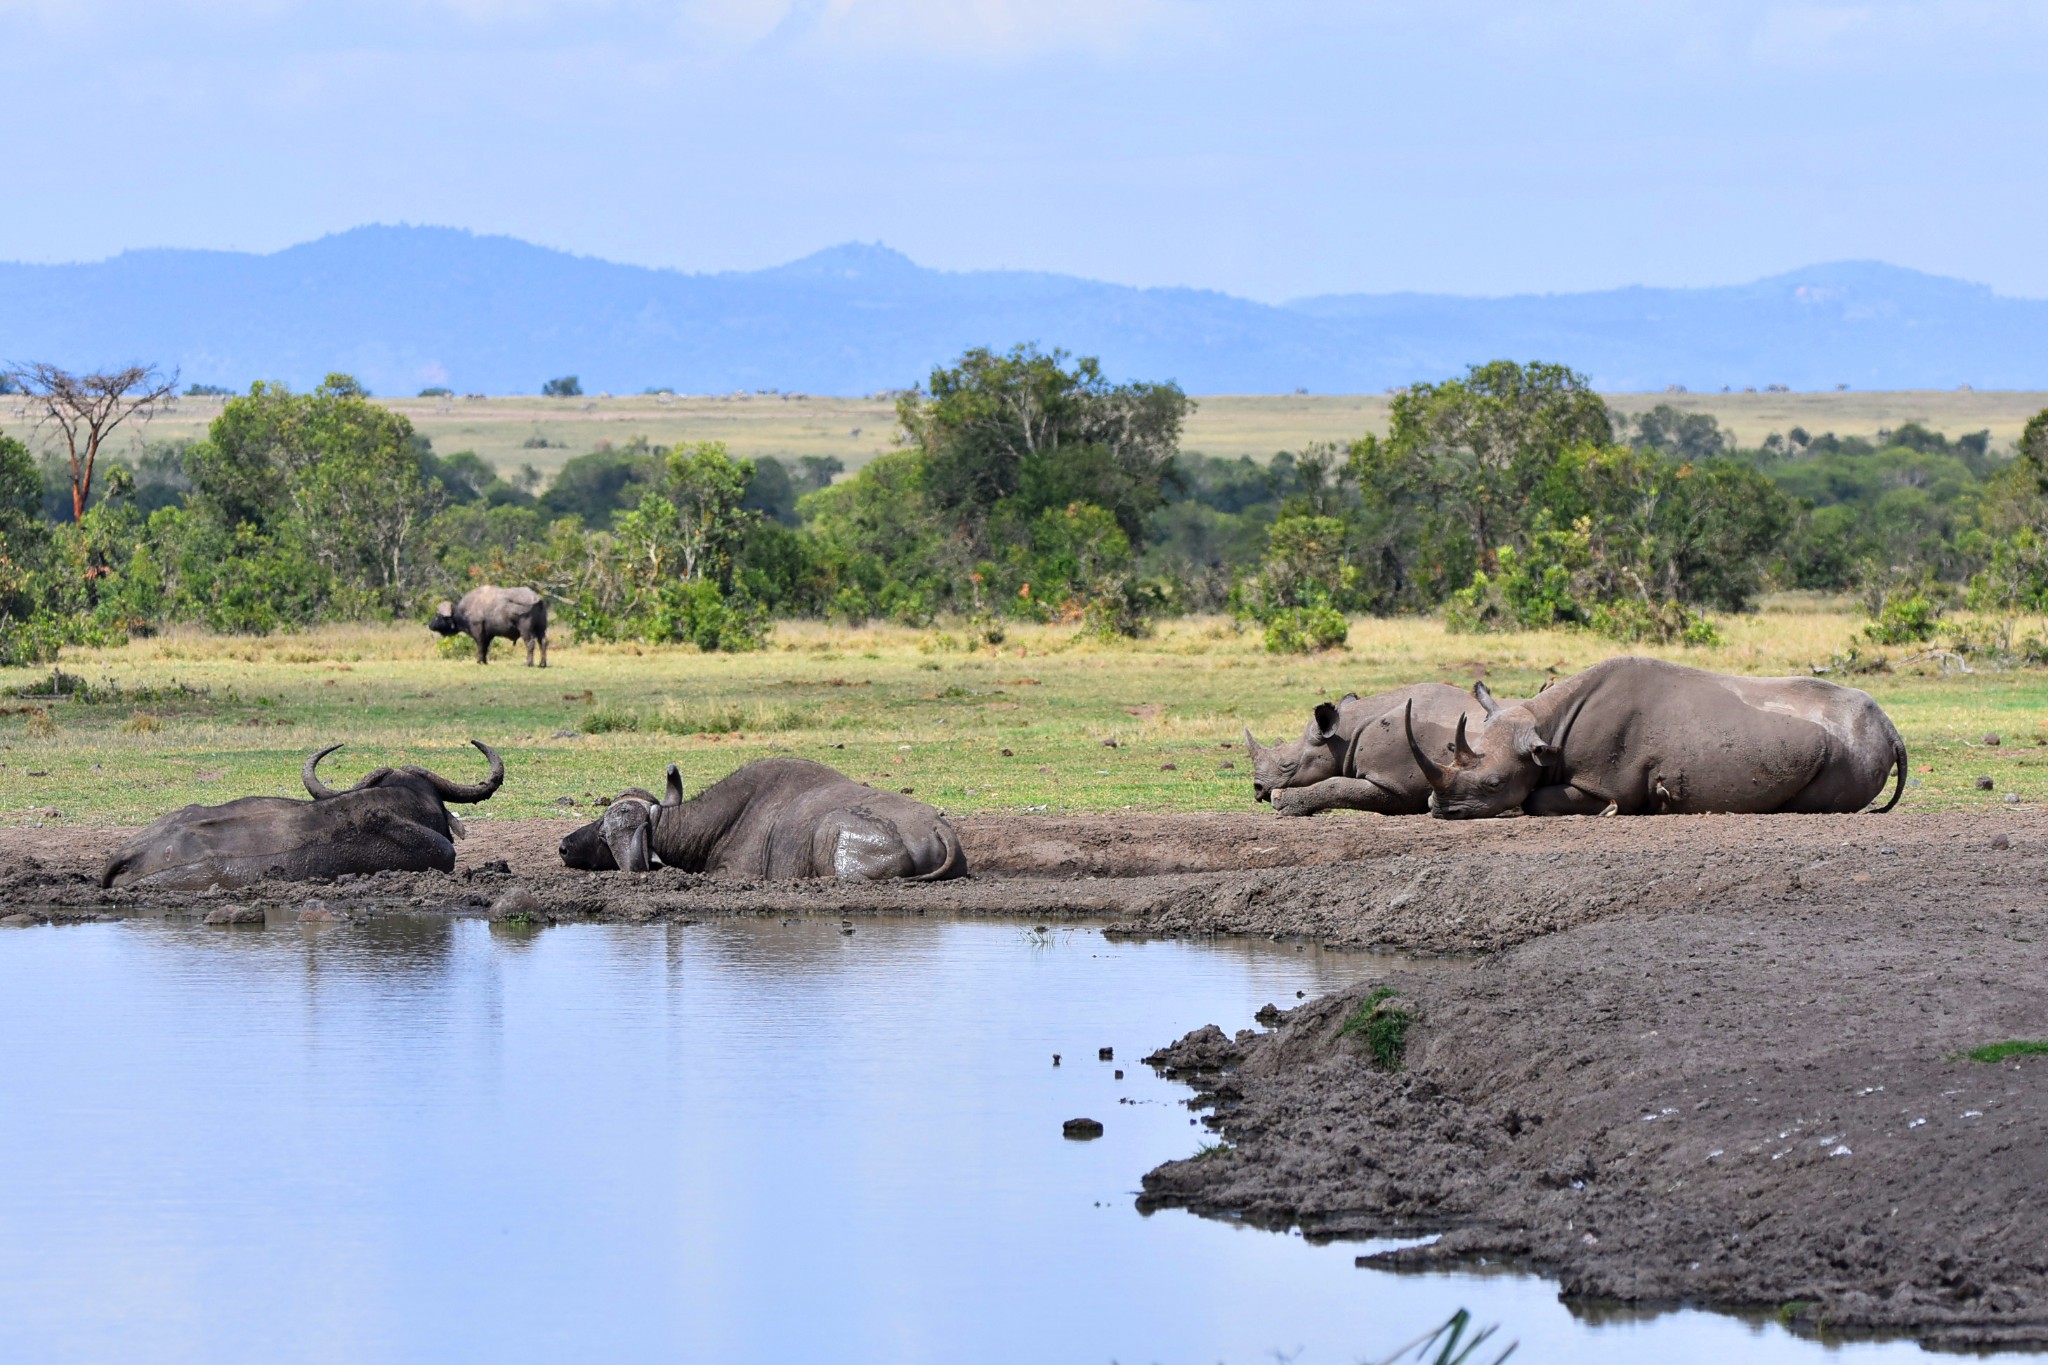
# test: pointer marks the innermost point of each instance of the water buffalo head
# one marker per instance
(1318, 754)
(449, 792)
(621, 840)
(1495, 777)
(443, 620)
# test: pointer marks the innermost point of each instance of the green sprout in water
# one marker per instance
(1998, 1052)
(1450, 1344)
(1384, 1026)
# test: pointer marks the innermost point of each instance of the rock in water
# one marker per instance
(1081, 1130)
(516, 902)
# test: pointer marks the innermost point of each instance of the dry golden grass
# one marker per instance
(855, 430)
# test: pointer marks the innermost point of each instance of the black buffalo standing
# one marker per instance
(487, 613)
(394, 819)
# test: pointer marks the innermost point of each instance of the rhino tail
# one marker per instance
(956, 859)
(1899, 786)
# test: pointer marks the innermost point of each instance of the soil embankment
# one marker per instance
(1704, 1059)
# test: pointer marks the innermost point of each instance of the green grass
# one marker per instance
(189, 717)
(1998, 1052)
(1384, 1026)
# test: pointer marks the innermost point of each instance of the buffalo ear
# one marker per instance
(673, 792)
(1326, 721)
(1484, 696)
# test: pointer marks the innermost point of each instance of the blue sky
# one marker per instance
(1270, 149)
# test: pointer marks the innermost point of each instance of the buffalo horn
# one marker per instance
(315, 788)
(472, 791)
(1431, 772)
(1251, 745)
(1464, 751)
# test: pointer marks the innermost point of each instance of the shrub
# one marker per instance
(606, 720)
(1306, 630)
(568, 386)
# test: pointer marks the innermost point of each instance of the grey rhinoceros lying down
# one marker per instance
(780, 817)
(1353, 755)
(394, 819)
(1649, 737)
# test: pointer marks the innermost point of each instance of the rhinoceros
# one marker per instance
(1648, 737)
(393, 819)
(487, 613)
(779, 817)
(1353, 754)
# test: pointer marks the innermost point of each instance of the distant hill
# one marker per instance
(407, 307)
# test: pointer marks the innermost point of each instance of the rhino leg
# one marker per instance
(1343, 793)
(1564, 799)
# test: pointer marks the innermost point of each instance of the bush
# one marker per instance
(1384, 1026)
(1904, 619)
(1306, 630)
(566, 387)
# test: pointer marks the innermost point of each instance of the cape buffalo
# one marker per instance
(1649, 737)
(1353, 755)
(487, 613)
(780, 817)
(394, 819)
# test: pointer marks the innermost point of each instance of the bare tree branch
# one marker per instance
(87, 407)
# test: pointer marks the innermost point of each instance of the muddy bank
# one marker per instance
(1731, 1107)
(1351, 880)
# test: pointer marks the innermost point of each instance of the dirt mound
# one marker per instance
(1738, 1107)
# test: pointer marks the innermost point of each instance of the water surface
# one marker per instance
(738, 1141)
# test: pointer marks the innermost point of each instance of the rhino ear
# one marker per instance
(1326, 722)
(1540, 751)
(1484, 696)
(673, 792)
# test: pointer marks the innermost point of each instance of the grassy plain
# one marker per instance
(1229, 425)
(190, 717)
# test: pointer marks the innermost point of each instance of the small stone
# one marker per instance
(1055, 1059)
(2001, 841)
(18, 921)
(1107, 744)
(2012, 798)
(565, 800)
(564, 734)
(1105, 1054)
(1228, 766)
(1119, 1074)
(1081, 1130)
(907, 791)
(1169, 767)
(235, 914)
(1008, 754)
(319, 912)
(1992, 740)
(1984, 784)
(517, 901)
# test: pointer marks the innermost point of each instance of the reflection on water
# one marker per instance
(758, 1140)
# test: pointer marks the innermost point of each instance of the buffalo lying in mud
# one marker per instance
(1649, 738)
(780, 817)
(393, 820)
(1353, 755)
(487, 613)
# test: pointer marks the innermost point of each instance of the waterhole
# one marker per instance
(739, 1141)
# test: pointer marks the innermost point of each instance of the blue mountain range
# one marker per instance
(404, 308)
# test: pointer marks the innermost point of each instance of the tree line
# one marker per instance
(1028, 486)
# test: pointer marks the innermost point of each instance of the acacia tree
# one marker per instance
(87, 407)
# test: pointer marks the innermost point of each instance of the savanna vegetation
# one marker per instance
(1028, 489)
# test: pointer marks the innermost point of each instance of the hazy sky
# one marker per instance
(1268, 148)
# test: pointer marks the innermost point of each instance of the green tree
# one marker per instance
(568, 386)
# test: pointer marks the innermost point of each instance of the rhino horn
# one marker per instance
(1431, 771)
(469, 791)
(315, 788)
(1465, 752)
(1484, 695)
